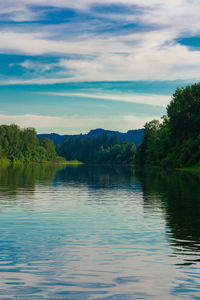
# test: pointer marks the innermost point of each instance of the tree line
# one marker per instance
(100, 150)
(22, 145)
(174, 142)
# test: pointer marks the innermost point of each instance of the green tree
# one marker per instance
(175, 142)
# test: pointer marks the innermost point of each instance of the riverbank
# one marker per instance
(195, 168)
(7, 162)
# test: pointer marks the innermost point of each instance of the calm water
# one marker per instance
(92, 232)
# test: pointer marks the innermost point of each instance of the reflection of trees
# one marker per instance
(176, 193)
(97, 175)
(179, 195)
(13, 178)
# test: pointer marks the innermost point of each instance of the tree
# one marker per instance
(23, 145)
(184, 112)
(174, 142)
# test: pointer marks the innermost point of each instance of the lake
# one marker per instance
(99, 232)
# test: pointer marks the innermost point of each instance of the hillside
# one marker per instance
(134, 136)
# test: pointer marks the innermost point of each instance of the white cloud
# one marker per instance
(27, 120)
(173, 13)
(139, 57)
(38, 67)
(138, 122)
(76, 123)
(170, 62)
(160, 100)
(150, 55)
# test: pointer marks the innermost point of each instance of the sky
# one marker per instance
(71, 66)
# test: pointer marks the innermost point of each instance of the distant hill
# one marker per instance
(134, 136)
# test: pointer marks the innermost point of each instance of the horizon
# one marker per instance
(72, 67)
(94, 129)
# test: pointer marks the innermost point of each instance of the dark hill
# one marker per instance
(134, 136)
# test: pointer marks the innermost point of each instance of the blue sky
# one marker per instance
(71, 66)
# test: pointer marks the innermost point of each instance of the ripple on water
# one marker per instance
(99, 233)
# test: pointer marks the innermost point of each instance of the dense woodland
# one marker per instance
(175, 142)
(102, 149)
(17, 145)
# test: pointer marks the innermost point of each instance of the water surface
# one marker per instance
(97, 232)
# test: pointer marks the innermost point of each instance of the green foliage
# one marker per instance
(21, 146)
(175, 142)
(101, 150)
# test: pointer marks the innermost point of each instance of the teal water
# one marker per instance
(97, 232)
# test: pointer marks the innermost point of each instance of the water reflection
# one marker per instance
(178, 194)
(96, 176)
(98, 232)
(13, 178)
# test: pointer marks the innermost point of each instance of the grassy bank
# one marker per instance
(195, 168)
(74, 162)
(4, 162)
(7, 162)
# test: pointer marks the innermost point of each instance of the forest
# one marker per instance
(100, 150)
(22, 145)
(174, 142)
